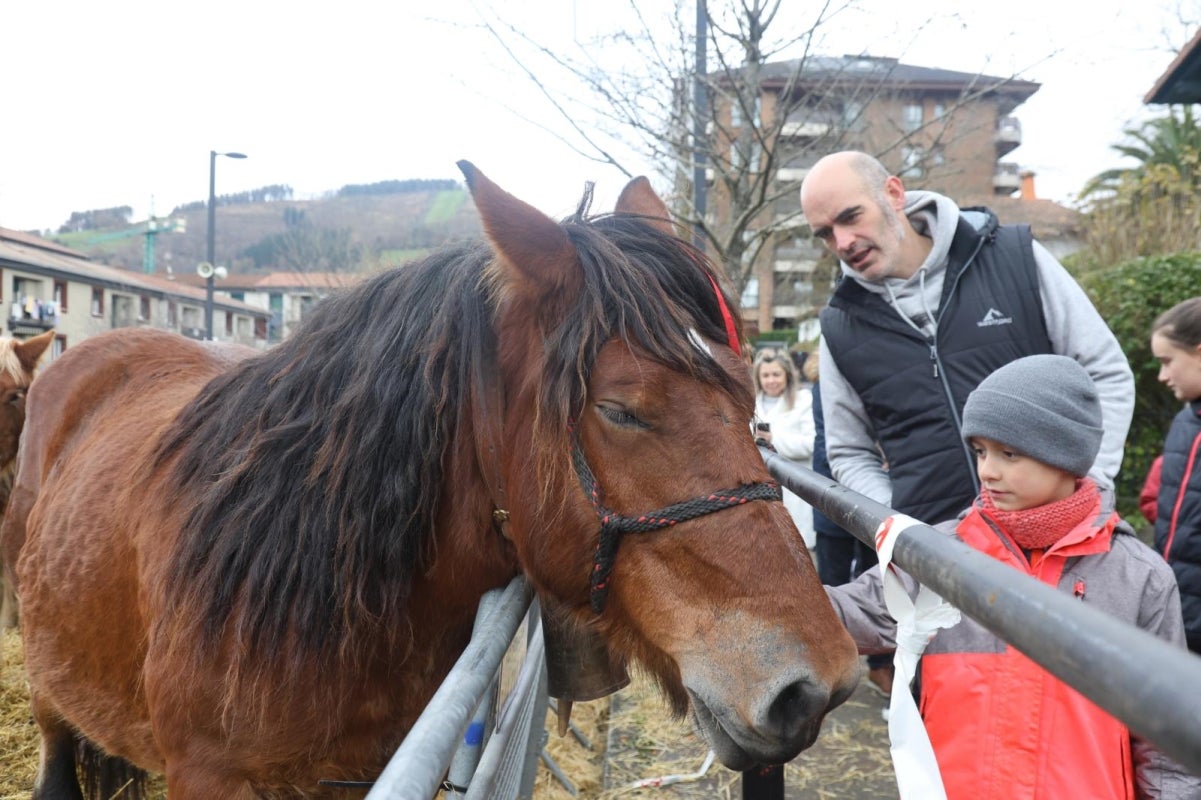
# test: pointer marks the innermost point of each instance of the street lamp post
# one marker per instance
(212, 240)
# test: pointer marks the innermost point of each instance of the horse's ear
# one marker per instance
(639, 198)
(522, 235)
(30, 352)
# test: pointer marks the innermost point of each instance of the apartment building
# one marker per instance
(951, 132)
(44, 285)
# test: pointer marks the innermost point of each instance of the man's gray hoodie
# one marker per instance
(1074, 327)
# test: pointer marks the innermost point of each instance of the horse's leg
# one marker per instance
(56, 778)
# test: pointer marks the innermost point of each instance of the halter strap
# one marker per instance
(614, 525)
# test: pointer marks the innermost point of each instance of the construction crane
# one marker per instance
(150, 229)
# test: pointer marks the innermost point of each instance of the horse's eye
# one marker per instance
(15, 396)
(619, 416)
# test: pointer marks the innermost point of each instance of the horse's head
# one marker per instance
(18, 362)
(627, 412)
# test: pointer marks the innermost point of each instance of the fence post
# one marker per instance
(763, 783)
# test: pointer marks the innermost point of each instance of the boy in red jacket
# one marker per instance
(1001, 726)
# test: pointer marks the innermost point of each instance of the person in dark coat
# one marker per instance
(1176, 342)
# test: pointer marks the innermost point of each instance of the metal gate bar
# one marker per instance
(511, 759)
(416, 768)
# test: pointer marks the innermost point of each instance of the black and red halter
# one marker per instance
(614, 525)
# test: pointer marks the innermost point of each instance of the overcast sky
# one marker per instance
(120, 102)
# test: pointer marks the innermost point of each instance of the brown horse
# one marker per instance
(18, 362)
(252, 576)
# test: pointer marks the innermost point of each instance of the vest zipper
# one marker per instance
(933, 342)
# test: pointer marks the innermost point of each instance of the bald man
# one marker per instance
(933, 299)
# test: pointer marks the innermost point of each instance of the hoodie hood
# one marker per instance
(916, 298)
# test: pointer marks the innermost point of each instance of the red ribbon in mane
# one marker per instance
(728, 318)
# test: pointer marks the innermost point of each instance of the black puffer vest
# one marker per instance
(912, 388)
(1178, 517)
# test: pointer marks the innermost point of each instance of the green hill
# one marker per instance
(334, 233)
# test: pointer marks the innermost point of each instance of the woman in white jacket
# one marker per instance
(786, 408)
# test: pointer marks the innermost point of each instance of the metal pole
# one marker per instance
(699, 143)
(1130, 673)
(211, 244)
(211, 247)
(416, 768)
(467, 757)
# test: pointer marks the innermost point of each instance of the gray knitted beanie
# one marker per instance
(1045, 407)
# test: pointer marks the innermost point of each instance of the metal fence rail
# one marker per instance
(1138, 678)
(511, 758)
(416, 770)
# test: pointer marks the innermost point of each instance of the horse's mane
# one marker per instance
(316, 469)
(10, 365)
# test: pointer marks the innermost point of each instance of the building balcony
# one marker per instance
(806, 129)
(1008, 135)
(802, 250)
(791, 174)
(31, 317)
(29, 326)
(1007, 178)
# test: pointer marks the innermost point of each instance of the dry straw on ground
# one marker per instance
(18, 736)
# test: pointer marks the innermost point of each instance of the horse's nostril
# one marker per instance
(795, 707)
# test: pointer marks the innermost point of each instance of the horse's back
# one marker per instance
(72, 531)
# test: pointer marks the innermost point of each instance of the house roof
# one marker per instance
(294, 280)
(1046, 218)
(891, 73)
(1181, 81)
(303, 281)
(26, 250)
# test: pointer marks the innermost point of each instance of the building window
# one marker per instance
(940, 110)
(97, 301)
(229, 323)
(60, 295)
(123, 310)
(912, 115)
(143, 308)
(59, 345)
(911, 162)
(852, 116)
(750, 295)
(172, 314)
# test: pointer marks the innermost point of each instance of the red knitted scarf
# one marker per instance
(1042, 526)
